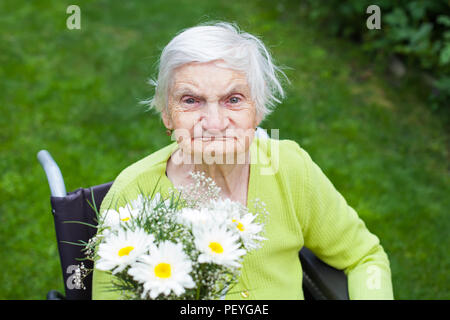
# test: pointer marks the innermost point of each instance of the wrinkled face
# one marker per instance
(211, 112)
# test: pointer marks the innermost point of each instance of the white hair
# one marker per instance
(241, 51)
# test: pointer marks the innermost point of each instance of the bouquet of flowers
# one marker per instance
(188, 246)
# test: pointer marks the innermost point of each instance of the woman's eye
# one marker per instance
(234, 100)
(189, 100)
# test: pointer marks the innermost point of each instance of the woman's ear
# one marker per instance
(167, 120)
(258, 119)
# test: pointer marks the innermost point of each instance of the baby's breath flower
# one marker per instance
(80, 273)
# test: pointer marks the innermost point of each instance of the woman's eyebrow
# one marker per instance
(238, 87)
(185, 91)
(188, 91)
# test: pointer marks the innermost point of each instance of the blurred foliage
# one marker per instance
(416, 31)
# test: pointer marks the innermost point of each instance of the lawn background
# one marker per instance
(75, 93)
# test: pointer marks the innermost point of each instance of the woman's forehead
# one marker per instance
(204, 76)
(197, 70)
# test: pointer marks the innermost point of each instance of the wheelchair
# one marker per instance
(320, 281)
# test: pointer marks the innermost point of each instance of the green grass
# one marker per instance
(76, 93)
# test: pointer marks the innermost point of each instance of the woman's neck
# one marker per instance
(231, 178)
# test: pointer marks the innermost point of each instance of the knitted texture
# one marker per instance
(305, 209)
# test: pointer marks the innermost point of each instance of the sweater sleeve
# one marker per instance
(335, 233)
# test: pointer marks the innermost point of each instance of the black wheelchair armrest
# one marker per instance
(321, 281)
(55, 295)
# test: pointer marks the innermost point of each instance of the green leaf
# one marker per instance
(444, 57)
(73, 243)
(445, 20)
(397, 18)
(81, 222)
(422, 34)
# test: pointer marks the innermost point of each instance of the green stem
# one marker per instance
(198, 293)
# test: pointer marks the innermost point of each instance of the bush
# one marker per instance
(416, 31)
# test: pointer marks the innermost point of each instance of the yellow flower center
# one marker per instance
(216, 247)
(163, 270)
(240, 226)
(125, 219)
(125, 251)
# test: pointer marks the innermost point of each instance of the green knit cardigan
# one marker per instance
(305, 209)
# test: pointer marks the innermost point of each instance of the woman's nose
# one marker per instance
(214, 118)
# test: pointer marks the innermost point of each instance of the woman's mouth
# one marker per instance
(213, 138)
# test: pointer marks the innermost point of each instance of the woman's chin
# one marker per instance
(215, 154)
(218, 147)
(229, 151)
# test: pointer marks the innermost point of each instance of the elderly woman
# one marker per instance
(215, 85)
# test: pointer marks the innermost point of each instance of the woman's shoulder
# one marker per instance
(143, 173)
(285, 160)
(287, 152)
(151, 162)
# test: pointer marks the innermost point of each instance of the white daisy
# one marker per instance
(157, 198)
(227, 207)
(164, 270)
(138, 203)
(196, 217)
(205, 216)
(147, 205)
(218, 245)
(247, 230)
(113, 218)
(121, 248)
(147, 202)
(132, 210)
